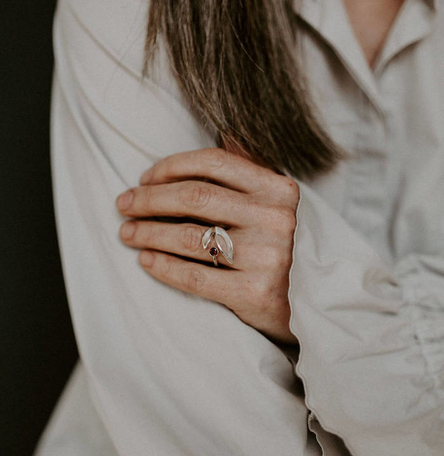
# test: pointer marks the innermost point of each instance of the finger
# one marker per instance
(206, 281)
(200, 200)
(216, 164)
(184, 239)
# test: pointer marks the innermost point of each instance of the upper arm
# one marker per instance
(169, 372)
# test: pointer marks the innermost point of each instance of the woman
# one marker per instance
(337, 247)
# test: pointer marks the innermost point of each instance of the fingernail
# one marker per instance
(128, 229)
(146, 258)
(124, 201)
(146, 177)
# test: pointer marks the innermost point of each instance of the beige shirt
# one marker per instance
(166, 373)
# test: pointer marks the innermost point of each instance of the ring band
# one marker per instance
(219, 234)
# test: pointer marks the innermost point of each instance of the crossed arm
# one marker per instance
(361, 334)
(371, 337)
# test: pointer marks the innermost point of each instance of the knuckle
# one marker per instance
(193, 280)
(166, 265)
(283, 264)
(286, 181)
(290, 189)
(282, 219)
(168, 166)
(275, 260)
(196, 195)
(262, 291)
(146, 198)
(217, 157)
(191, 239)
(287, 219)
(144, 235)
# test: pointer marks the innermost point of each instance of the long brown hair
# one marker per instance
(236, 62)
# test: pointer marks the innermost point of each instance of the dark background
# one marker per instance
(37, 348)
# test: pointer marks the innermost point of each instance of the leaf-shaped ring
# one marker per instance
(218, 232)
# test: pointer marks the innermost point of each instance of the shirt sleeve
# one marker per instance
(167, 373)
(371, 337)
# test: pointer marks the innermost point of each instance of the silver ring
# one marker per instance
(219, 235)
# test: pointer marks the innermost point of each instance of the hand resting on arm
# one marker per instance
(258, 207)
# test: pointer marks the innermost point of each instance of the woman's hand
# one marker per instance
(254, 204)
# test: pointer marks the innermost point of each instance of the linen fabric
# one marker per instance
(162, 372)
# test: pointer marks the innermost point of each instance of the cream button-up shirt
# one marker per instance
(166, 373)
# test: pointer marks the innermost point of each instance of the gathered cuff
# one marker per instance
(371, 360)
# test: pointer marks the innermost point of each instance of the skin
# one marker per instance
(371, 21)
(256, 206)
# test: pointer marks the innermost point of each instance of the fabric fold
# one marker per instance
(370, 359)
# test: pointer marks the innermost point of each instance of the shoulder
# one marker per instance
(117, 26)
(99, 49)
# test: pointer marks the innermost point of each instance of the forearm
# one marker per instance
(372, 346)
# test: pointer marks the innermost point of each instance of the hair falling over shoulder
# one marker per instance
(236, 63)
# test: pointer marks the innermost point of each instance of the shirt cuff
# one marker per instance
(371, 357)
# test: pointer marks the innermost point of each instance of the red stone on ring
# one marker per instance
(214, 251)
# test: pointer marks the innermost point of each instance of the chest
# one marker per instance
(371, 21)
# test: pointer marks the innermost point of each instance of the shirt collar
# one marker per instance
(330, 20)
(310, 8)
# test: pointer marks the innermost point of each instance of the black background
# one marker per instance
(37, 348)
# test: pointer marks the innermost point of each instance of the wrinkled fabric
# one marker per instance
(162, 372)
(367, 281)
